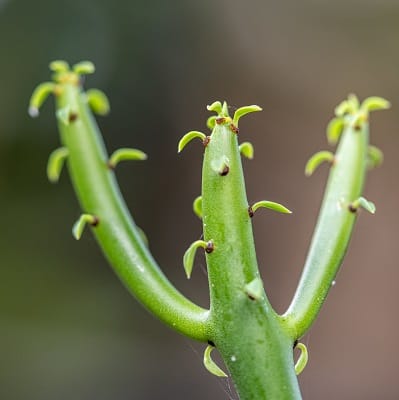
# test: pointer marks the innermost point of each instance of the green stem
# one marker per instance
(116, 233)
(246, 331)
(333, 230)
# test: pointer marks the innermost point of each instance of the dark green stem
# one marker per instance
(246, 331)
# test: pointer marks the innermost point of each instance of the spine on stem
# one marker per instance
(91, 172)
(342, 200)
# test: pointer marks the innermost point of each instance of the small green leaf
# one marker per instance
(210, 365)
(364, 203)
(247, 150)
(334, 130)
(80, 224)
(197, 207)
(63, 115)
(216, 106)
(98, 101)
(125, 154)
(243, 111)
(270, 205)
(254, 289)
(316, 160)
(345, 107)
(374, 103)
(189, 256)
(353, 101)
(84, 68)
(188, 137)
(375, 156)
(55, 163)
(211, 122)
(59, 66)
(303, 358)
(39, 96)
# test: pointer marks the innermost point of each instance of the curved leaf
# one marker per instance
(210, 365)
(188, 137)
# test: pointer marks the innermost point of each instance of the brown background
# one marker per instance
(68, 329)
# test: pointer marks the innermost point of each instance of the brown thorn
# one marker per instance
(206, 141)
(352, 209)
(234, 129)
(209, 247)
(250, 212)
(224, 171)
(95, 222)
(73, 117)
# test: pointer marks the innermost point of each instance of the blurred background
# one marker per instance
(68, 328)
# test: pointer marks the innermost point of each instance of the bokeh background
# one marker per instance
(68, 328)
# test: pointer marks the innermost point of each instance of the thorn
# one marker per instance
(197, 207)
(363, 203)
(210, 365)
(80, 224)
(243, 111)
(98, 101)
(188, 137)
(303, 358)
(254, 289)
(247, 150)
(55, 163)
(234, 129)
(209, 247)
(189, 255)
(206, 141)
(317, 159)
(270, 205)
(220, 120)
(39, 96)
(224, 171)
(125, 154)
